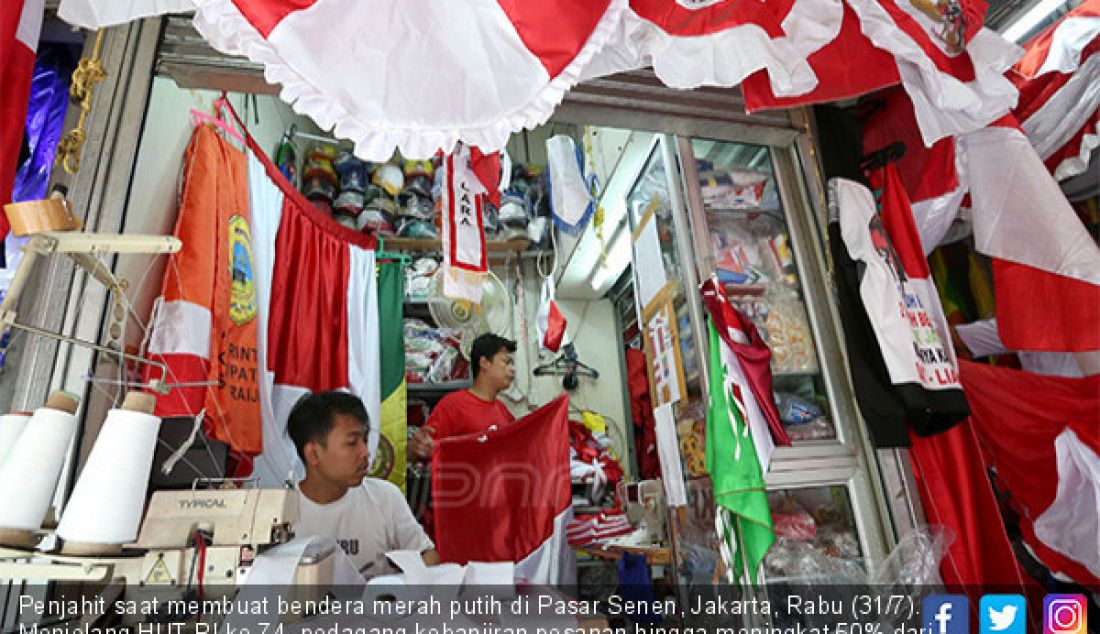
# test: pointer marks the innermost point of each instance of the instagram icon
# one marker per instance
(1064, 614)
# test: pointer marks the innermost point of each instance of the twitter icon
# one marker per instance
(1003, 614)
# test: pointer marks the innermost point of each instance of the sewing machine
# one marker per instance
(234, 526)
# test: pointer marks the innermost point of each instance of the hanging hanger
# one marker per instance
(217, 119)
(381, 255)
(882, 156)
(567, 365)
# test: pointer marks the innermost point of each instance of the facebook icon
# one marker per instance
(945, 614)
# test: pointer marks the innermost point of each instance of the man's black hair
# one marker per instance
(487, 346)
(313, 417)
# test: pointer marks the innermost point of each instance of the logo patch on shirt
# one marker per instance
(350, 546)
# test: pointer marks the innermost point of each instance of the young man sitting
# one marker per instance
(367, 516)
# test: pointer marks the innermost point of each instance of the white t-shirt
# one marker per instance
(369, 521)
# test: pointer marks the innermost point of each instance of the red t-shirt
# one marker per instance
(463, 412)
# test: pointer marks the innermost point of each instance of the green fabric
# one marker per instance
(389, 462)
(735, 470)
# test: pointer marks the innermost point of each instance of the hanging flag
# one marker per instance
(896, 326)
(1046, 266)
(1041, 436)
(743, 519)
(465, 259)
(318, 301)
(570, 197)
(752, 370)
(720, 42)
(1059, 106)
(389, 459)
(550, 321)
(204, 328)
(955, 492)
(505, 496)
(441, 72)
(20, 25)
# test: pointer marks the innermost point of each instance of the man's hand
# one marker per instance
(422, 444)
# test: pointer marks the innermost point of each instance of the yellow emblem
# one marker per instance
(242, 294)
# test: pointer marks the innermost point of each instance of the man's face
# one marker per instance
(500, 370)
(343, 458)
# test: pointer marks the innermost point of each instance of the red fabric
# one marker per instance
(1035, 92)
(266, 14)
(958, 66)
(1037, 48)
(755, 355)
(681, 21)
(487, 169)
(955, 492)
(555, 328)
(1072, 148)
(1017, 415)
(641, 411)
(897, 220)
(555, 31)
(309, 318)
(838, 78)
(497, 500)
(16, 72)
(925, 172)
(1038, 310)
(463, 413)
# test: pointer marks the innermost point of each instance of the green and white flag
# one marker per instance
(743, 519)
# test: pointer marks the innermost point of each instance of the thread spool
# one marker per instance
(115, 477)
(29, 475)
(11, 426)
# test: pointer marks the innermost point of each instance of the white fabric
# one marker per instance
(181, 327)
(1072, 166)
(493, 88)
(1070, 39)
(726, 57)
(983, 339)
(1066, 111)
(554, 562)
(1019, 212)
(905, 313)
(1071, 524)
(943, 104)
(751, 412)
(364, 350)
(95, 14)
(369, 521)
(279, 460)
(934, 216)
(30, 23)
(569, 195)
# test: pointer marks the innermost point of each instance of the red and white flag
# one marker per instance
(317, 293)
(550, 321)
(505, 496)
(465, 258)
(20, 25)
(1046, 267)
(1059, 83)
(1041, 436)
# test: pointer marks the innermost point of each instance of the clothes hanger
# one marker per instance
(217, 119)
(569, 366)
(381, 255)
(882, 156)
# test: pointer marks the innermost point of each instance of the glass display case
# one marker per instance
(739, 212)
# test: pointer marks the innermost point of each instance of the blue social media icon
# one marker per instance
(1003, 614)
(946, 614)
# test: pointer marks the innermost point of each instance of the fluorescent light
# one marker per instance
(1027, 21)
